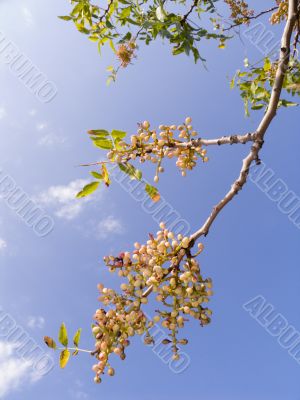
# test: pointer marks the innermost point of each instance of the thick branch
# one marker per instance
(263, 126)
(233, 139)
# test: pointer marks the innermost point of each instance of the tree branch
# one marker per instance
(185, 17)
(264, 124)
(233, 139)
(258, 138)
(250, 17)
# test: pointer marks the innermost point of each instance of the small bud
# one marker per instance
(146, 124)
(185, 242)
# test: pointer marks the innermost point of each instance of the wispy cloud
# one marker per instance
(40, 126)
(3, 112)
(80, 395)
(36, 322)
(32, 112)
(51, 140)
(14, 372)
(28, 17)
(3, 245)
(63, 199)
(109, 226)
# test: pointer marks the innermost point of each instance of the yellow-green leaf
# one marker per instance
(64, 358)
(130, 170)
(76, 338)
(152, 192)
(63, 335)
(105, 175)
(88, 189)
(118, 134)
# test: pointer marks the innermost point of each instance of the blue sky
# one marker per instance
(250, 251)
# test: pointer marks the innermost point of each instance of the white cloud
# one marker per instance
(3, 244)
(41, 126)
(36, 322)
(32, 112)
(27, 14)
(14, 372)
(63, 199)
(51, 140)
(2, 112)
(80, 395)
(109, 226)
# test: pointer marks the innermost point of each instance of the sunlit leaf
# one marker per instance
(130, 170)
(105, 174)
(152, 192)
(76, 338)
(63, 335)
(88, 189)
(96, 175)
(64, 358)
(118, 134)
(99, 133)
(105, 144)
(65, 17)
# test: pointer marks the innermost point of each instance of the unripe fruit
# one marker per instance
(96, 330)
(185, 242)
(111, 371)
(146, 124)
(117, 351)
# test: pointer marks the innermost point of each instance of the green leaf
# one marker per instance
(50, 342)
(118, 134)
(65, 17)
(112, 46)
(88, 189)
(267, 64)
(82, 29)
(130, 170)
(105, 174)
(152, 192)
(104, 144)
(96, 175)
(64, 358)
(76, 338)
(287, 103)
(125, 13)
(257, 107)
(100, 133)
(63, 335)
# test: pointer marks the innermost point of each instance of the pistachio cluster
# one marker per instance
(163, 266)
(240, 12)
(281, 14)
(170, 141)
(126, 52)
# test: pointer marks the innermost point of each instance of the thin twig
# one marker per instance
(250, 17)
